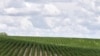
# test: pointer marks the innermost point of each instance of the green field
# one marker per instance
(48, 46)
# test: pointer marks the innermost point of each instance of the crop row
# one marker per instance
(26, 48)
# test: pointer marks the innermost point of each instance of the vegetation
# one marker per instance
(48, 46)
(3, 34)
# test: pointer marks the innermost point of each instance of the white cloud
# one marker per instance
(68, 7)
(28, 8)
(52, 21)
(50, 9)
(48, 1)
(33, 6)
(98, 20)
(11, 10)
(4, 3)
(88, 4)
(3, 26)
(98, 8)
(17, 24)
(25, 24)
(50, 17)
(66, 26)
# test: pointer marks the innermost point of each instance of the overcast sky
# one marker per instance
(78, 18)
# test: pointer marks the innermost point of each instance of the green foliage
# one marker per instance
(37, 46)
(3, 34)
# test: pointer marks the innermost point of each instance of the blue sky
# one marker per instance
(75, 18)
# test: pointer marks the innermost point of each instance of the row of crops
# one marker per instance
(74, 42)
(24, 46)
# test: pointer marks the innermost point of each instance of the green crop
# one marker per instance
(48, 46)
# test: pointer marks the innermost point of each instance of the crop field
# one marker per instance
(48, 46)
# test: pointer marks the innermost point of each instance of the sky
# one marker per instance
(66, 18)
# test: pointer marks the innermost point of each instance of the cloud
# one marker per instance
(15, 24)
(66, 25)
(3, 26)
(39, 22)
(50, 17)
(52, 21)
(27, 9)
(48, 1)
(50, 9)
(3, 3)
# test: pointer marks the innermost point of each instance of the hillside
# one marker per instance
(48, 46)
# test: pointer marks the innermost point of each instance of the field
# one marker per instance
(48, 46)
